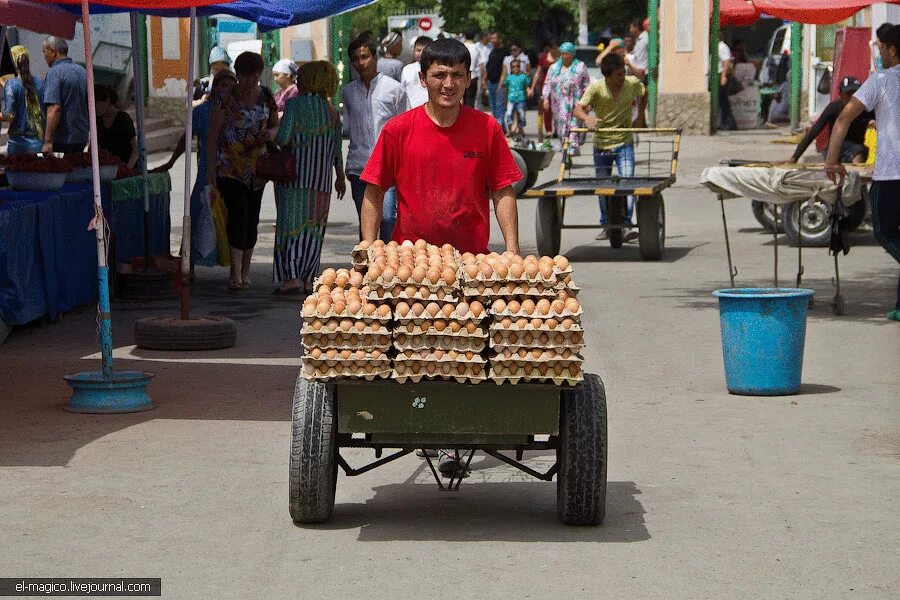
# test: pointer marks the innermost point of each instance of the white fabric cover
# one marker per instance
(779, 185)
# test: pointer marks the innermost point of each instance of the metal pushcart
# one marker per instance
(656, 155)
(494, 419)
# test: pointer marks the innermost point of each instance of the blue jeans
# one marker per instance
(498, 103)
(388, 210)
(23, 145)
(623, 157)
(513, 108)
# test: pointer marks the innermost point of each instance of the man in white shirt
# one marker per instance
(416, 92)
(474, 71)
(639, 59)
(726, 117)
(369, 102)
(881, 94)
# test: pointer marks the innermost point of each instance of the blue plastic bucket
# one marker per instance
(763, 333)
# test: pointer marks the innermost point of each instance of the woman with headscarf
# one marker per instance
(567, 79)
(223, 83)
(24, 95)
(310, 128)
(285, 75)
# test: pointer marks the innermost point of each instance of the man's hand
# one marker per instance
(590, 121)
(836, 172)
(340, 186)
(47, 148)
(791, 161)
(546, 103)
(640, 122)
(530, 92)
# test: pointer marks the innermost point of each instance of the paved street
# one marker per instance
(710, 495)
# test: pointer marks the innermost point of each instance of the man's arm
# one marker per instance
(502, 77)
(507, 216)
(581, 113)
(53, 113)
(833, 167)
(828, 116)
(370, 213)
(641, 120)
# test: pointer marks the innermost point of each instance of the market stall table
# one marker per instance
(781, 184)
(123, 203)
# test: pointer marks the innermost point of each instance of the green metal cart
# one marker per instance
(657, 168)
(494, 419)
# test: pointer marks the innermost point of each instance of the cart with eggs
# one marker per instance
(474, 375)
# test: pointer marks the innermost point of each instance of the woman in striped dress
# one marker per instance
(310, 127)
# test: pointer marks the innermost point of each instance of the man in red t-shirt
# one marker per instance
(444, 159)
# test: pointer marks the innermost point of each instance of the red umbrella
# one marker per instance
(815, 12)
(38, 17)
(737, 12)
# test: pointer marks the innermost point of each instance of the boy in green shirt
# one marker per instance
(611, 101)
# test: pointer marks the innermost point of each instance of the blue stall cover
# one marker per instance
(267, 14)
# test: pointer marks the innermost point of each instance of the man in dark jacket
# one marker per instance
(493, 71)
(853, 149)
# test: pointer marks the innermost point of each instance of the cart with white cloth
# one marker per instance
(782, 185)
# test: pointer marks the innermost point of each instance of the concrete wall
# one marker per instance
(167, 49)
(683, 99)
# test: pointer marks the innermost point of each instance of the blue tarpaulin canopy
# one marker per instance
(267, 14)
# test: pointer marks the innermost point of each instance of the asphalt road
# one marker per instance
(710, 495)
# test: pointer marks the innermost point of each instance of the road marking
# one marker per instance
(128, 353)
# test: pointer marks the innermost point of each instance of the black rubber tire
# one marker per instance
(819, 215)
(531, 179)
(651, 221)
(582, 454)
(196, 333)
(616, 214)
(146, 285)
(522, 184)
(312, 477)
(763, 213)
(858, 211)
(548, 226)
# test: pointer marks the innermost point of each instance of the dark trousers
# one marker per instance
(243, 206)
(726, 117)
(885, 199)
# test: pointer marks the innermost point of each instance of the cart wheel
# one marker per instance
(857, 211)
(765, 215)
(522, 184)
(548, 226)
(814, 221)
(313, 463)
(651, 220)
(581, 454)
(531, 179)
(837, 305)
(615, 209)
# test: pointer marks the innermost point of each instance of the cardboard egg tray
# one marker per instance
(504, 290)
(427, 327)
(460, 371)
(541, 355)
(325, 326)
(359, 255)
(536, 315)
(329, 373)
(360, 267)
(469, 316)
(399, 292)
(513, 339)
(528, 373)
(345, 314)
(358, 357)
(439, 341)
(347, 341)
(429, 355)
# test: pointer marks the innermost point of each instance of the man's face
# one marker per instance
(515, 50)
(495, 40)
(395, 49)
(889, 56)
(49, 55)
(629, 43)
(446, 85)
(617, 78)
(634, 31)
(418, 51)
(365, 63)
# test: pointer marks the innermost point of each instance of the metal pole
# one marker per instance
(775, 235)
(138, 69)
(99, 221)
(715, 33)
(186, 222)
(582, 22)
(652, 61)
(796, 73)
(732, 272)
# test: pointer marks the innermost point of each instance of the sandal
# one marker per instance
(235, 287)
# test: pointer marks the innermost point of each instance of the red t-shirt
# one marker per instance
(443, 176)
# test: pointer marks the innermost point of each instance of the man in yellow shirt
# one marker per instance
(611, 101)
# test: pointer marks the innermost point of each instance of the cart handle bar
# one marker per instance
(624, 130)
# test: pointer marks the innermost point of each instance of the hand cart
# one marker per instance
(383, 414)
(655, 172)
(531, 161)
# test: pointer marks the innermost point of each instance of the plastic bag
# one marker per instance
(205, 228)
(220, 219)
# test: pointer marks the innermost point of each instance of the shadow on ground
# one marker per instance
(601, 251)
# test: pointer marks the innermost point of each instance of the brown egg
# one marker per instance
(572, 305)
(567, 323)
(487, 271)
(528, 306)
(551, 323)
(354, 307)
(461, 311)
(384, 311)
(340, 305)
(561, 262)
(447, 310)
(562, 295)
(516, 270)
(521, 323)
(402, 309)
(506, 322)
(342, 278)
(331, 354)
(315, 353)
(433, 275)
(322, 308)
(536, 354)
(389, 274)
(471, 327)
(454, 326)
(420, 245)
(315, 325)
(557, 307)
(542, 369)
(376, 354)
(467, 258)
(374, 272)
(498, 306)
(513, 306)
(423, 292)
(527, 338)
(431, 368)
(417, 309)
(477, 308)
(328, 276)
(369, 309)
(346, 325)
(439, 325)
(404, 273)
(566, 354)
(536, 323)
(559, 339)
(410, 291)
(345, 354)
(461, 369)
(439, 354)
(574, 369)
(544, 339)
(432, 309)
(543, 306)
(531, 270)
(448, 276)
(418, 275)
(546, 271)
